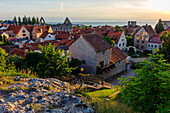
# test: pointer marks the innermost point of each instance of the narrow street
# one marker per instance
(114, 80)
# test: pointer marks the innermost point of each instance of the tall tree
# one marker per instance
(29, 20)
(38, 20)
(159, 27)
(24, 20)
(33, 20)
(165, 49)
(19, 20)
(149, 91)
(15, 20)
(118, 28)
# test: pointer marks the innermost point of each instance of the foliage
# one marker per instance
(149, 91)
(19, 21)
(15, 20)
(53, 63)
(38, 20)
(1, 21)
(165, 38)
(130, 40)
(118, 28)
(75, 63)
(147, 52)
(108, 39)
(4, 40)
(159, 27)
(24, 20)
(29, 20)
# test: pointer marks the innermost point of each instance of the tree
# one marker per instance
(130, 40)
(24, 20)
(118, 28)
(165, 49)
(29, 20)
(159, 27)
(108, 39)
(19, 20)
(15, 20)
(53, 63)
(32, 59)
(149, 91)
(75, 63)
(38, 20)
(33, 20)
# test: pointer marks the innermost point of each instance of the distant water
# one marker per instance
(107, 23)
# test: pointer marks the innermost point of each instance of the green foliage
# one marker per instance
(19, 20)
(53, 63)
(130, 40)
(1, 21)
(159, 27)
(108, 39)
(75, 63)
(38, 20)
(24, 20)
(29, 20)
(118, 28)
(33, 20)
(147, 52)
(165, 49)
(149, 91)
(4, 40)
(15, 20)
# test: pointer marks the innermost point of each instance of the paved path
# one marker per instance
(115, 80)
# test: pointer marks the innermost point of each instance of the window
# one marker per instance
(24, 34)
(142, 47)
(122, 39)
(137, 46)
(137, 41)
(83, 61)
(103, 52)
(23, 31)
(123, 44)
(149, 45)
(155, 46)
(141, 32)
(119, 45)
(141, 37)
(143, 42)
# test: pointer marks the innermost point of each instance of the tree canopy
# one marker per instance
(130, 40)
(149, 91)
(165, 49)
(159, 27)
(108, 39)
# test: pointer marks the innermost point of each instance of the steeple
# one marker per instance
(67, 21)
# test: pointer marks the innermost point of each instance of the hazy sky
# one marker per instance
(87, 10)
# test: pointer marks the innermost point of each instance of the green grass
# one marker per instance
(103, 104)
(101, 93)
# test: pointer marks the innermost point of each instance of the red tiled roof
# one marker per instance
(155, 40)
(17, 52)
(97, 42)
(115, 35)
(14, 28)
(149, 29)
(117, 55)
(8, 48)
(63, 36)
(29, 28)
(43, 35)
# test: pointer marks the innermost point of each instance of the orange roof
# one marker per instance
(29, 28)
(63, 36)
(117, 55)
(17, 52)
(115, 35)
(14, 28)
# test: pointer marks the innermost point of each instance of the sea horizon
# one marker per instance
(94, 24)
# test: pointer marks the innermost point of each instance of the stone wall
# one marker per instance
(120, 67)
(81, 50)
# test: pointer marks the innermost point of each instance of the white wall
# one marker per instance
(122, 41)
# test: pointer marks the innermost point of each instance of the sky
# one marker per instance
(87, 10)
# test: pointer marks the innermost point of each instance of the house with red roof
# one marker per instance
(142, 36)
(97, 55)
(45, 37)
(17, 31)
(2, 33)
(154, 43)
(119, 38)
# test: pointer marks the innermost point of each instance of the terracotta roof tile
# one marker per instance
(63, 36)
(97, 42)
(114, 35)
(117, 55)
(14, 28)
(155, 40)
(17, 52)
(43, 35)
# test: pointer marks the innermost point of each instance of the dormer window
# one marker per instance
(154, 40)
